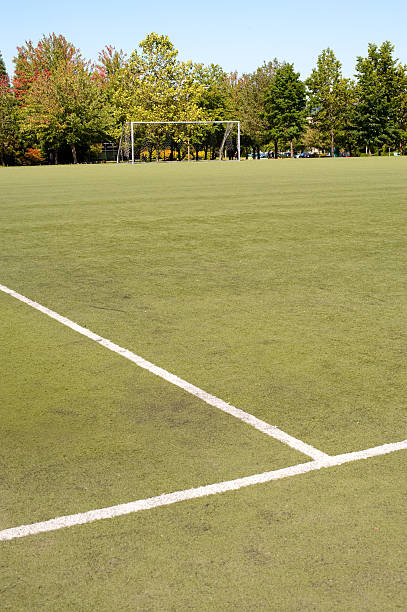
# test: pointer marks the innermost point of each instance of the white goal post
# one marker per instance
(127, 138)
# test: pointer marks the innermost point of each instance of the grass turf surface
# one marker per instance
(279, 287)
(333, 540)
(84, 428)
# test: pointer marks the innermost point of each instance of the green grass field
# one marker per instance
(279, 287)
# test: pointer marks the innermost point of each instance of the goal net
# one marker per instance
(146, 141)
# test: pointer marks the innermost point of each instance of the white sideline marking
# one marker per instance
(172, 498)
(212, 400)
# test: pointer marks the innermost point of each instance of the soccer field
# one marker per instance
(256, 313)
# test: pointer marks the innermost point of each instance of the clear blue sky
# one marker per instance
(237, 35)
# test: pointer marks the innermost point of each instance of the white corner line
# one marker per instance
(212, 400)
(172, 498)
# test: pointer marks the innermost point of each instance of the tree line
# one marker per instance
(59, 107)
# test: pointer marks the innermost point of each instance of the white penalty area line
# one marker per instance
(172, 498)
(212, 400)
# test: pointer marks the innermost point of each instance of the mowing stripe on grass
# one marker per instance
(212, 400)
(172, 498)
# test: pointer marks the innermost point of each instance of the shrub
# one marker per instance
(33, 157)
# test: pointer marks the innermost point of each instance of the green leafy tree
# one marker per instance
(107, 72)
(187, 102)
(9, 134)
(9, 120)
(63, 104)
(148, 84)
(212, 102)
(110, 62)
(251, 92)
(32, 60)
(3, 71)
(400, 103)
(284, 105)
(329, 97)
(216, 98)
(379, 80)
(155, 86)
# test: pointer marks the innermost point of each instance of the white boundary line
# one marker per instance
(212, 400)
(172, 498)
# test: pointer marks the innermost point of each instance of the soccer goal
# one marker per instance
(146, 141)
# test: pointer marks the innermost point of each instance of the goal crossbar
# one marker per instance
(132, 123)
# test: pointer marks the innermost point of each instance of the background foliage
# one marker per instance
(64, 107)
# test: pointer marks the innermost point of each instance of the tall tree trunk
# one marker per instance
(291, 149)
(56, 157)
(276, 149)
(73, 149)
(332, 144)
